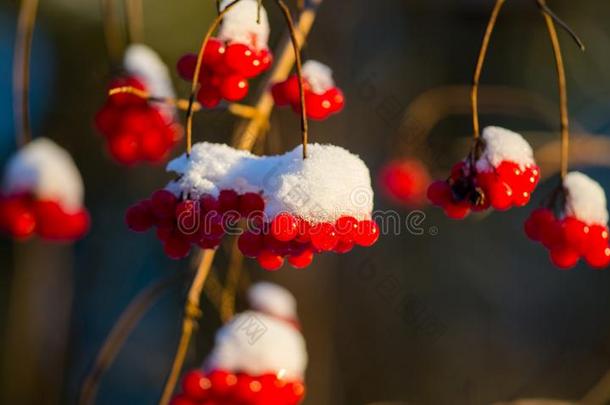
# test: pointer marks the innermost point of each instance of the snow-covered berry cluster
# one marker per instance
(291, 208)
(239, 53)
(42, 194)
(405, 181)
(138, 130)
(500, 173)
(322, 97)
(573, 225)
(259, 357)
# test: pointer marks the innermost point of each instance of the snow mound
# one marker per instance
(239, 24)
(273, 300)
(330, 183)
(46, 170)
(586, 199)
(256, 344)
(319, 76)
(504, 145)
(146, 65)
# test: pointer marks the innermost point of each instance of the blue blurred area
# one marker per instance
(42, 80)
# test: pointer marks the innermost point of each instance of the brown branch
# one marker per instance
(134, 11)
(227, 302)
(112, 31)
(21, 70)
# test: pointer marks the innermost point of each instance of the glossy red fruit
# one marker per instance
(163, 204)
(214, 53)
(124, 147)
(301, 260)
(293, 392)
(346, 228)
(19, 218)
(336, 98)
(598, 259)
(186, 66)
(598, 237)
(291, 90)
(209, 96)
(153, 146)
(323, 236)
(564, 257)
(303, 231)
(251, 204)
(234, 88)
(76, 224)
(317, 107)
(405, 181)
(228, 200)
(239, 58)
(207, 203)
(457, 210)
(509, 172)
(196, 385)
(222, 382)
(575, 234)
(250, 244)
(284, 227)
(500, 195)
(279, 94)
(439, 193)
(182, 400)
(537, 222)
(246, 389)
(51, 220)
(270, 261)
(343, 247)
(531, 177)
(367, 233)
(521, 198)
(177, 247)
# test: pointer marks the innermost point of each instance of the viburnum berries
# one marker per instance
(247, 367)
(238, 54)
(573, 223)
(42, 195)
(499, 173)
(291, 208)
(136, 129)
(322, 97)
(405, 181)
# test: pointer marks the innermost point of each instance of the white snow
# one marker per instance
(318, 75)
(257, 344)
(330, 183)
(146, 65)
(46, 170)
(239, 24)
(273, 300)
(586, 199)
(504, 145)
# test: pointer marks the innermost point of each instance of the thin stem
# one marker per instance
(191, 314)
(546, 10)
(21, 70)
(474, 94)
(563, 92)
(297, 55)
(195, 83)
(119, 334)
(112, 32)
(227, 302)
(134, 11)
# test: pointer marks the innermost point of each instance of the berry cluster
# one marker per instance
(319, 106)
(469, 189)
(135, 129)
(203, 222)
(226, 68)
(405, 181)
(287, 236)
(222, 387)
(568, 239)
(22, 216)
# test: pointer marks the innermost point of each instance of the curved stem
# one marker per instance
(563, 92)
(119, 334)
(297, 55)
(191, 314)
(195, 83)
(21, 70)
(134, 11)
(474, 94)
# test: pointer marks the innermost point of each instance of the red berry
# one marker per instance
(234, 88)
(188, 219)
(346, 228)
(293, 392)
(153, 146)
(301, 260)
(186, 66)
(343, 247)
(270, 261)
(532, 176)
(124, 147)
(521, 198)
(251, 203)
(537, 222)
(279, 94)
(598, 259)
(196, 385)
(51, 220)
(575, 233)
(163, 204)
(317, 107)
(177, 247)
(222, 382)
(266, 59)
(367, 233)
(19, 218)
(598, 237)
(107, 119)
(238, 58)
(457, 210)
(336, 98)
(209, 96)
(76, 224)
(500, 195)
(228, 200)
(214, 52)
(439, 193)
(246, 389)
(182, 400)
(551, 235)
(303, 231)
(405, 181)
(250, 244)
(324, 237)
(564, 257)
(207, 203)
(284, 227)
(291, 90)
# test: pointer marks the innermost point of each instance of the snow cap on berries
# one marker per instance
(585, 199)
(319, 76)
(273, 300)
(46, 170)
(504, 145)
(330, 183)
(256, 344)
(240, 24)
(146, 65)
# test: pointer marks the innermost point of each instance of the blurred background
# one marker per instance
(466, 312)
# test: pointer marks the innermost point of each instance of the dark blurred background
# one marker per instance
(469, 312)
